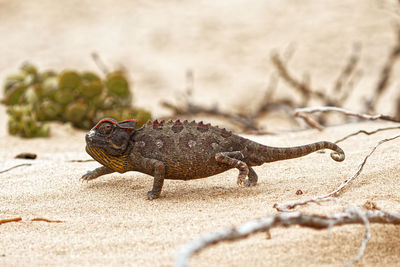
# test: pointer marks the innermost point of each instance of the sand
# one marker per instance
(109, 221)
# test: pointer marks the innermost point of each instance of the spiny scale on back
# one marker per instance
(183, 151)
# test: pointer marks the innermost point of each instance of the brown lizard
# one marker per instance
(183, 151)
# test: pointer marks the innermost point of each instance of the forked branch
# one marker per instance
(303, 113)
(286, 219)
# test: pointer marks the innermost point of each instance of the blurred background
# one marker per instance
(218, 50)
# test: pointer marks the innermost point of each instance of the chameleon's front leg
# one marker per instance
(90, 175)
(159, 174)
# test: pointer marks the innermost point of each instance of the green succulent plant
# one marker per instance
(23, 122)
(117, 84)
(81, 98)
(13, 95)
(76, 113)
(91, 89)
(68, 80)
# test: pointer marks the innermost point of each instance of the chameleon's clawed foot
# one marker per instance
(250, 183)
(252, 178)
(241, 181)
(152, 195)
(87, 177)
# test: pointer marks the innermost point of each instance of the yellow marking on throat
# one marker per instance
(118, 164)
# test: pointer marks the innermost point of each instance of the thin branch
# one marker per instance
(284, 219)
(99, 63)
(366, 132)
(302, 87)
(292, 205)
(348, 70)
(16, 166)
(386, 73)
(366, 238)
(267, 99)
(10, 220)
(193, 109)
(313, 123)
(80, 160)
(33, 220)
(302, 113)
(45, 220)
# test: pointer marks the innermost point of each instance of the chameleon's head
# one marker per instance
(110, 137)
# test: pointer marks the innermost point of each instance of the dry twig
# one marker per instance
(340, 92)
(345, 76)
(386, 73)
(350, 216)
(80, 160)
(366, 132)
(16, 166)
(33, 220)
(292, 205)
(302, 113)
(302, 87)
(99, 63)
(309, 121)
(366, 238)
(193, 109)
(45, 220)
(10, 220)
(339, 95)
(248, 121)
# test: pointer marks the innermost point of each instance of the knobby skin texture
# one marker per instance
(183, 151)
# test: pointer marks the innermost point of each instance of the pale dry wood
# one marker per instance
(45, 220)
(17, 219)
(80, 160)
(100, 64)
(367, 133)
(302, 113)
(366, 238)
(350, 216)
(386, 73)
(10, 220)
(16, 166)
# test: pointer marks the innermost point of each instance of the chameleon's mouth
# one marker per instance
(116, 163)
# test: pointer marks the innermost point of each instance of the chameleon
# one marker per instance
(183, 151)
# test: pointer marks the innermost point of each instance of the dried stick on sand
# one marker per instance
(350, 216)
(303, 113)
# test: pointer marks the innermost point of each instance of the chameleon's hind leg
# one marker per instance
(252, 177)
(230, 158)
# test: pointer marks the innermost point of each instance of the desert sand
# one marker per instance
(227, 45)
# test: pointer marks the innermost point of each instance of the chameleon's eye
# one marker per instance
(106, 129)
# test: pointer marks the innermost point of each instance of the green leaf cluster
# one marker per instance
(82, 98)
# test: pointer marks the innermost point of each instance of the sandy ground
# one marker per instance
(109, 221)
(227, 45)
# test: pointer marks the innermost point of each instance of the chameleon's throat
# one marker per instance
(116, 163)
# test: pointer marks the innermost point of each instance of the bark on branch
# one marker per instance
(283, 219)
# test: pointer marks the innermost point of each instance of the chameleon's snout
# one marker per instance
(88, 138)
(90, 133)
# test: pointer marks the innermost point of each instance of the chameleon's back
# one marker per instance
(187, 149)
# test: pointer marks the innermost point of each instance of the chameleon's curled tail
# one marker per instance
(282, 153)
(337, 154)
